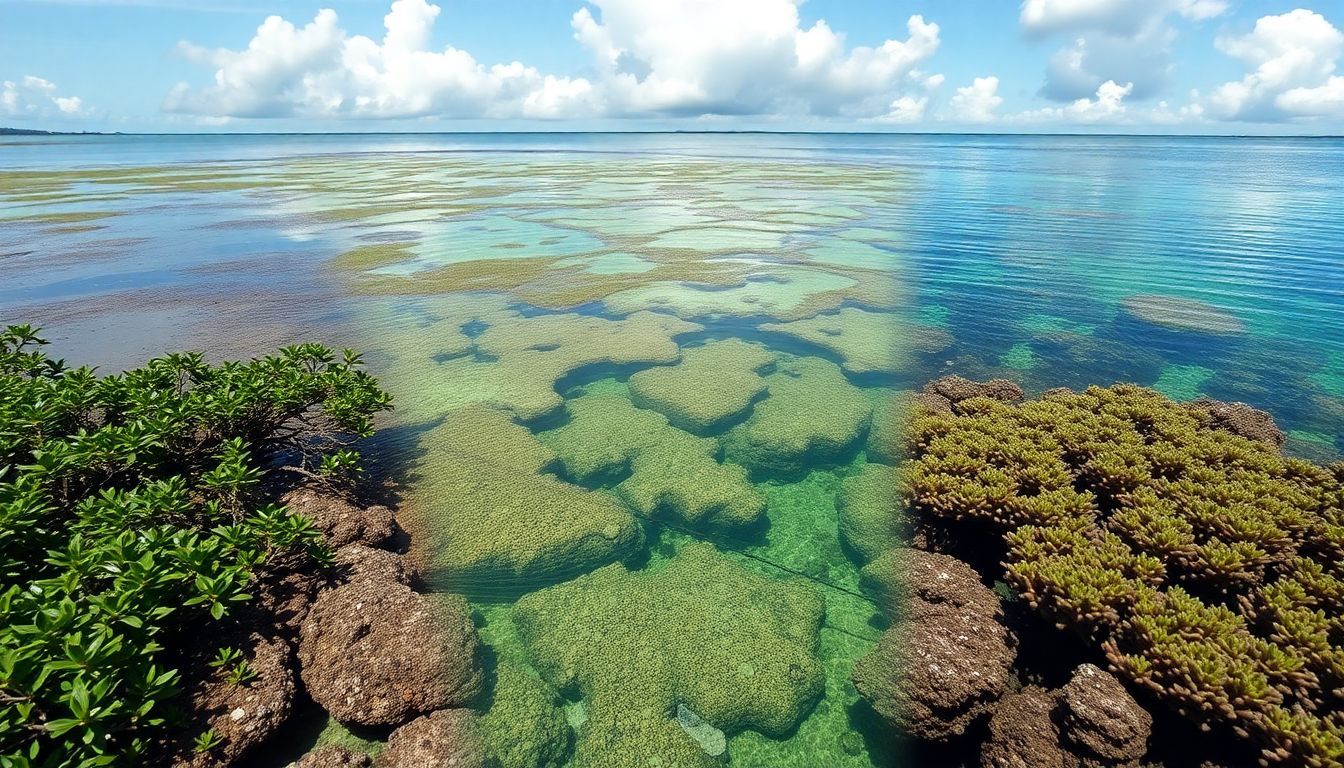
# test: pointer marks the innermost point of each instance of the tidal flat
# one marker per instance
(635, 376)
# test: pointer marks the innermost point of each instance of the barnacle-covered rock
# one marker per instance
(1023, 734)
(341, 521)
(713, 385)
(658, 470)
(498, 522)
(735, 647)
(524, 726)
(812, 417)
(1102, 720)
(360, 562)
(1241, 419)
(375, 653)
(448, 737)
(947, 657)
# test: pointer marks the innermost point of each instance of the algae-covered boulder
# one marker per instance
(524, 726)
(812, 417)
(866, 342)
(872, 517)
(658, 470)
(711, 386)
(496, 523)
(735, 648)
(448, 737)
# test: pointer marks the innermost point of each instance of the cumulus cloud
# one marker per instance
(34, 97)
(1120, 40)
(1294, 56)
(977, 102)
(1107, 105)
(671, 58)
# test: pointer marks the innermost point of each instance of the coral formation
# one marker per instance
(736, 648)
(1205, 565)
(657, 469)
(712, 385)
(497, 522)
(866, 342)
(871, 511)
(811, 418)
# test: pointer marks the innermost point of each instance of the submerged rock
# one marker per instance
(955, 389)
(713, 385)
(525, 726)
(448, 737)
(1182, 314)
(872, 515)
(735, 647)
(710, 739)
(497, 523)
(866, 342)
(813, 417)
(375, 653)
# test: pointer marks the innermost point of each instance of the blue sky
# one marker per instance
(1153, 66)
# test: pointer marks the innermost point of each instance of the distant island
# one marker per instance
(35, 132)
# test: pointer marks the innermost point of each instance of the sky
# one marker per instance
(1112, 66)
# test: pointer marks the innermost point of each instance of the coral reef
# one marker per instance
(657, 469)
(734, 647)
(1205, 565)
(1242, 419)
(872, 511)
(866, 342)
(811, 418)
(713, 384)
(497, 522)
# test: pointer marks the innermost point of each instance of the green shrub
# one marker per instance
(1206, 566)
(130, 510)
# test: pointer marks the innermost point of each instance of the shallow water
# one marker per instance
(616, 355)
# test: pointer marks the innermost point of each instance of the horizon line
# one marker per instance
(37, 133)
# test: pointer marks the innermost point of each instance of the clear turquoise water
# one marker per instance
(517, 271)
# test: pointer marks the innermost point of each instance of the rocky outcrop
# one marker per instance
(1101, 721)
(340, 521)
(332, 757)
(374, 652)
(1241, 419)
(360, 562)
(1023, 734)
(948, 658)
(955, 389)
(449, 737)
(244, 713)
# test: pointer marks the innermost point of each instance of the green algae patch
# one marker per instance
(870, 511)
(866, 342)
(786, 293)
(886, 436)
(372, 256)
(516, 361)
(495, 525)
(812, 417)
(657, 469)
(736, 648)
(713, 385)
(1019, 357)
(68, 217)
(1183, 382)
(525, 725)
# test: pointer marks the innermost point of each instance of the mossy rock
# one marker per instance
(866, 342)
(496, 524)
(735, 647)
(886, 436)
(525, 726)
(872, 518)
(656, 469)
(812, 417)
(713, 385)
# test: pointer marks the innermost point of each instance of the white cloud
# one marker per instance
(34, 98)
(977, 102)
(1121, 40)
(1294, 57)
(677, 57)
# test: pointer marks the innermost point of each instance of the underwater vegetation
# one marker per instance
(1205, 565)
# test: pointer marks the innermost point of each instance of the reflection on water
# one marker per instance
(634, 373)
